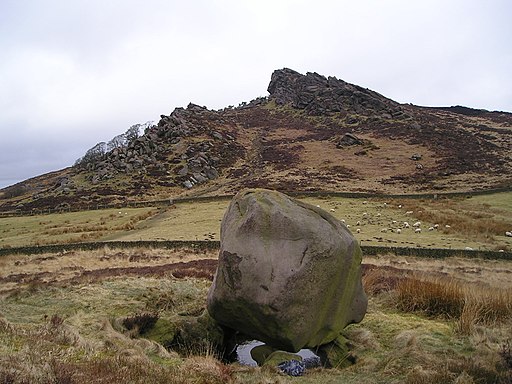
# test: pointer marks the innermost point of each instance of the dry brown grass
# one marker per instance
(437, 297)
(74, 333)
(471, 220)
(468, 304)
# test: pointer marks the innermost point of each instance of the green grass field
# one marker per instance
(69, 227)
(478, 222)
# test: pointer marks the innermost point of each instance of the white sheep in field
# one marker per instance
(409, 212)
(417, 230)
(430, 228)
(447, 226)
(417, 224)
(358, 230)
(468, 249)
(358, 222)
(508, 234)
(332, 210)
(384, 230)
(399, 231)
(406, 224)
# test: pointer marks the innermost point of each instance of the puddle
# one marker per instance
(243, 352)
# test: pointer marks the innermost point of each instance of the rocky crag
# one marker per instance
(312, 133)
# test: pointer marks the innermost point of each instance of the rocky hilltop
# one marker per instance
(312, 133)
(318, 95)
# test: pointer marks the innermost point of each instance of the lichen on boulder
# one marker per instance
(289, 273)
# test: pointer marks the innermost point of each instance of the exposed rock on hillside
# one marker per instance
(165, 151)
(319, 95)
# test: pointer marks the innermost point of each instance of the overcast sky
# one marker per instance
(77, 72)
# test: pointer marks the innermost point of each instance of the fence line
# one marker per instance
(436, 253)
(171, 201)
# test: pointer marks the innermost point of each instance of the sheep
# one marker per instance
(436, 226)
(406, 224)
(348, 225)
(332, 210)
(358, 223)
(468, 249)
(417, 230)
(430, 228)
(399, 231)
(409, 212)
(508, 234)
(365, 202)
(417, 224)
(365, 214)
(343, 221)
(447, 226)
(384, 230)
(400, 206)
(358, 230)
(378, 215)
(394, 222)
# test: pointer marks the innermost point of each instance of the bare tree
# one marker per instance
(132, 133)
(123, 140)
(94, 154)
(117, 142)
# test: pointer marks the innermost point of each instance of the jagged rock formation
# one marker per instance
(193, 163)
(318, 95)
(312, 133)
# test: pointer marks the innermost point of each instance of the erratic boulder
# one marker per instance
(289, 273)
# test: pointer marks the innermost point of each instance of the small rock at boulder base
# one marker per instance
(289, 273)
(293, 368)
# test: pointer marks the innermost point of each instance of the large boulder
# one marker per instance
(289, 273)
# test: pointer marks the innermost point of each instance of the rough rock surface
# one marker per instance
(319, 95)
(289, 273)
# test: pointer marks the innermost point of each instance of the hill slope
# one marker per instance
(311, 133)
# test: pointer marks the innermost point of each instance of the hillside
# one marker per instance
(312, 133)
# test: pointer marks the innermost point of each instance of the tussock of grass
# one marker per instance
(469, 304)
(435, 297)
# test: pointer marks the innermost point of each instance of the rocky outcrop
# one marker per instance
(320, 95)
(176, 137)
(289, 273)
